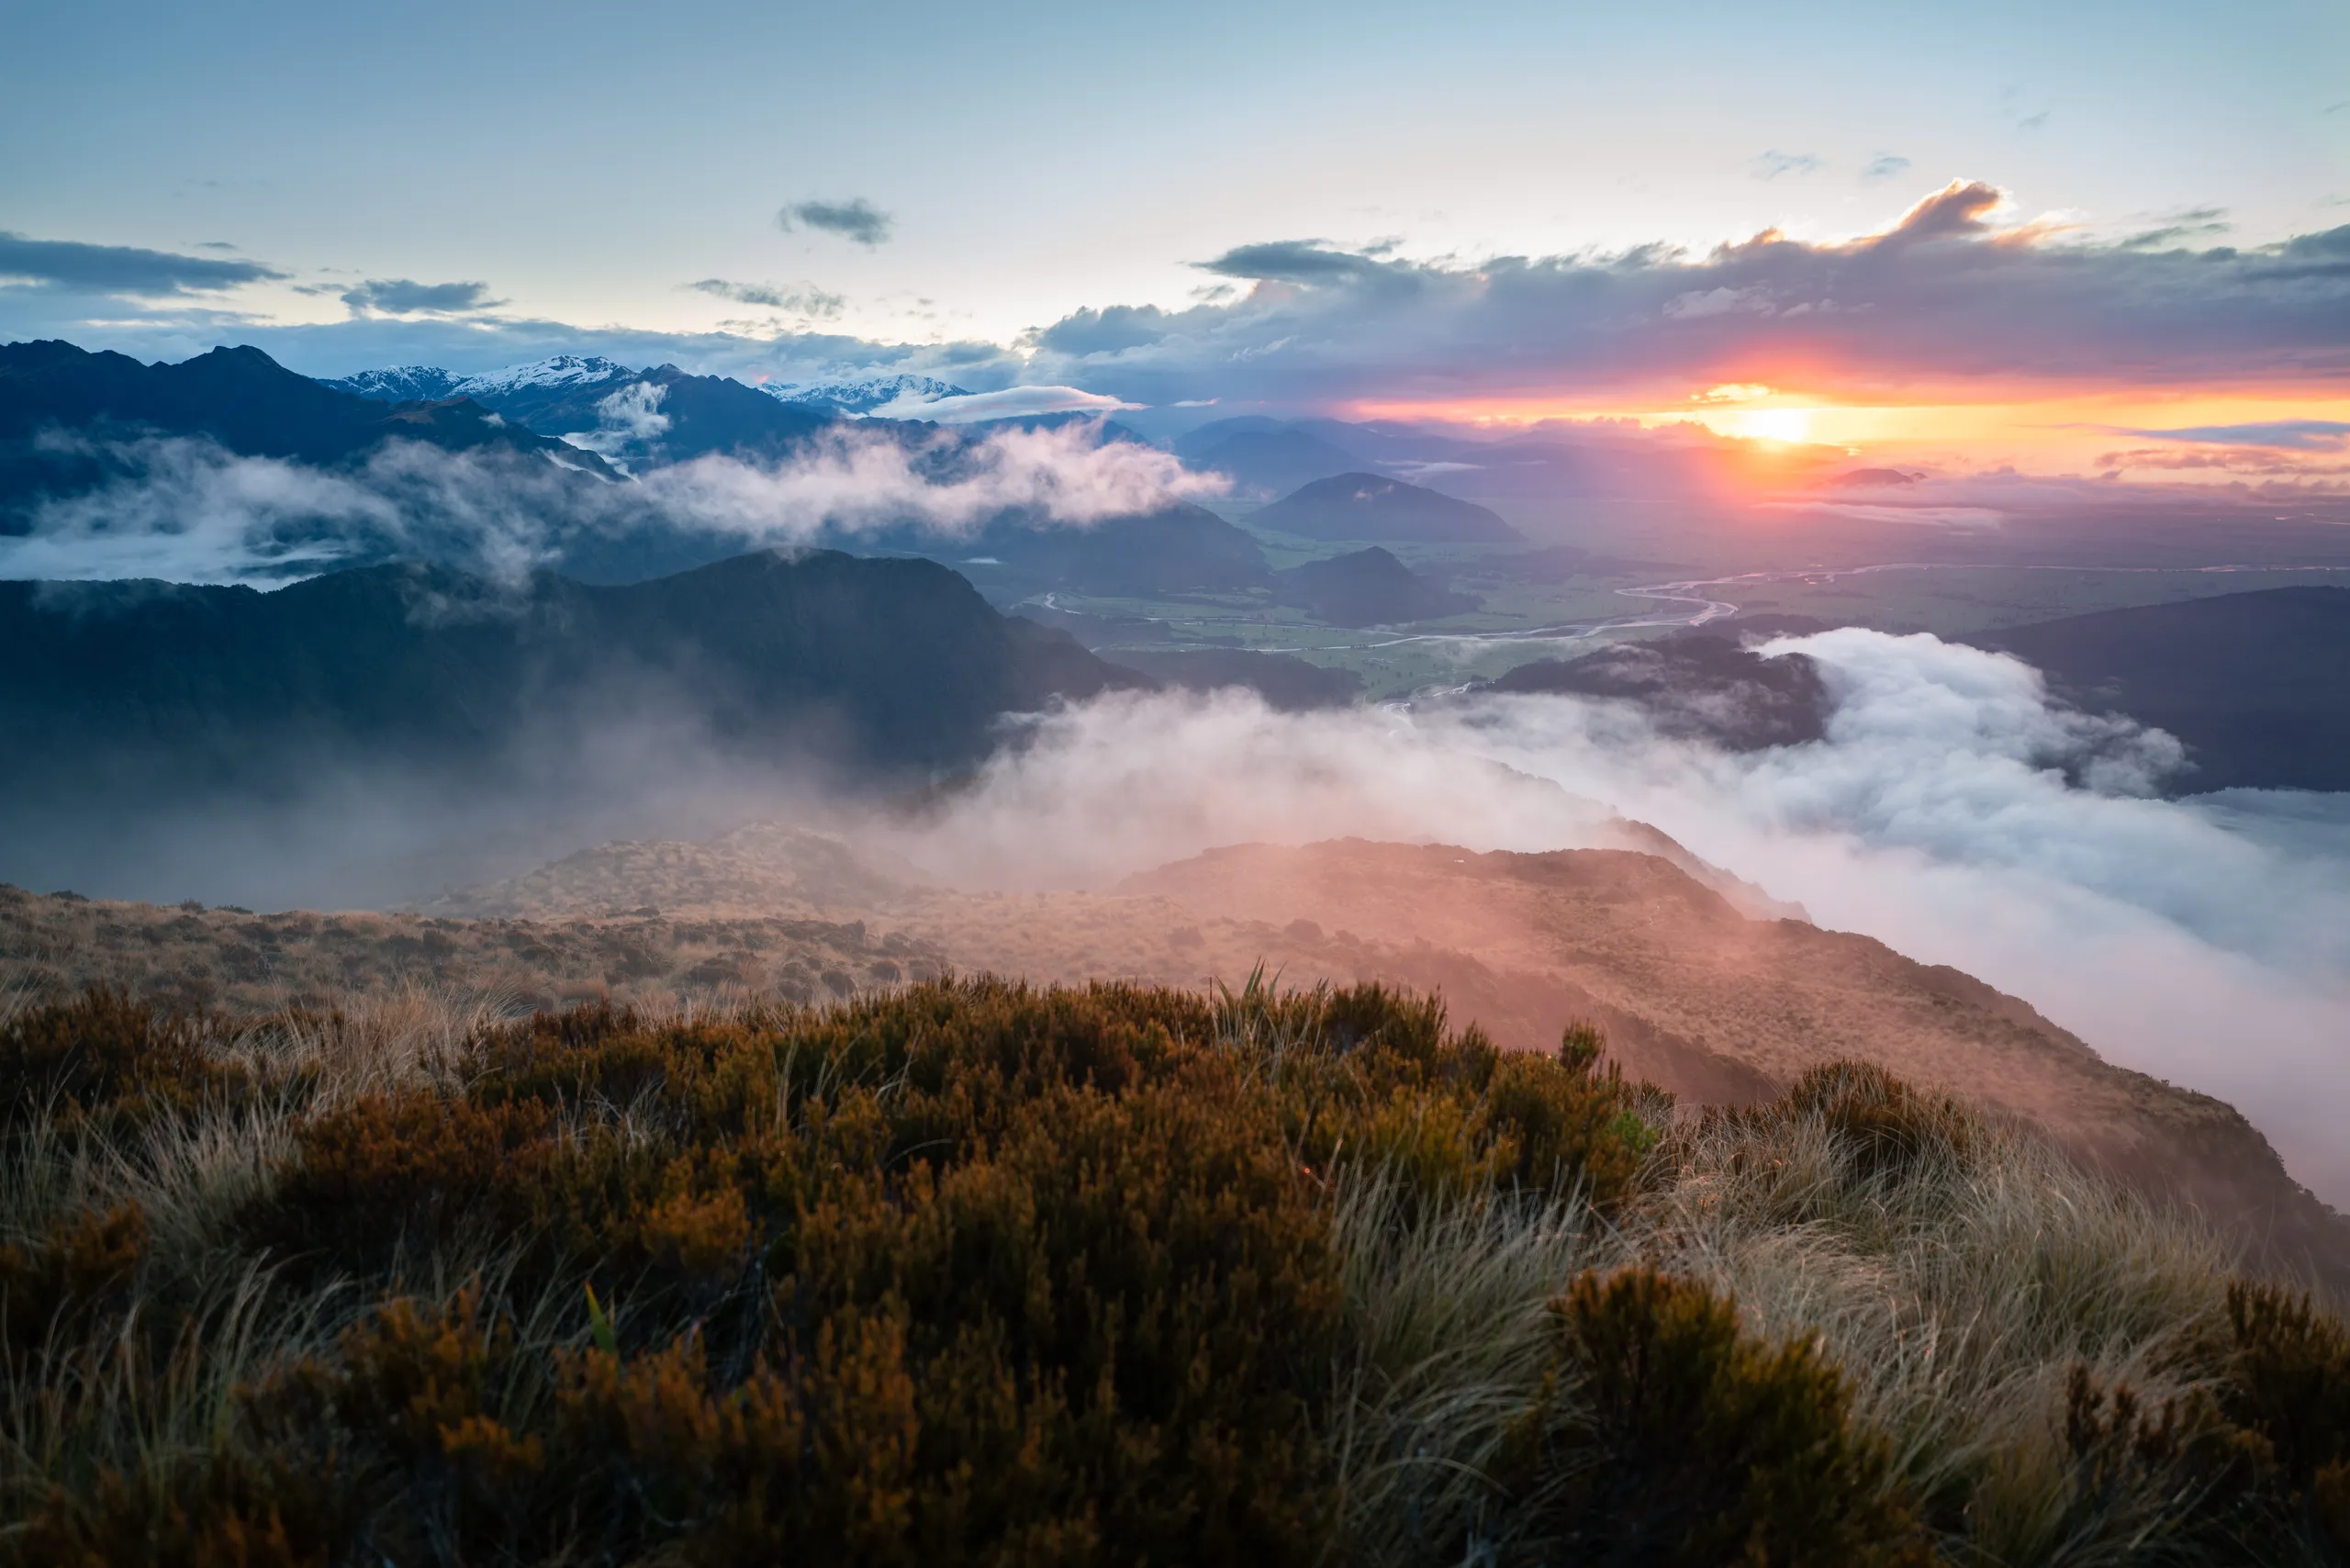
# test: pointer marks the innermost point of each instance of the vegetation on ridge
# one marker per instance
(975, 1273)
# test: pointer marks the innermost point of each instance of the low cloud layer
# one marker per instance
(1954, 812)
(187, 511)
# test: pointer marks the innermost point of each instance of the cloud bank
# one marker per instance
(1953, 812)
(1946, 298)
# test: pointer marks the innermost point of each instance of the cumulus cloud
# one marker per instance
(806, 299)
(1950, 295)
(1953, 811)
(857, 219)
(187, 510)
(404, 297)
(70, 265)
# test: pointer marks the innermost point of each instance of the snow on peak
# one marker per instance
(400, 384)
(562, 370)
(862, 395)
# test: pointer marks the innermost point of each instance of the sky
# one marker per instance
(1493, 210)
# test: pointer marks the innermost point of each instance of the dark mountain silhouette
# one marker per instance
(153, 691)
(239, 397)
(1287, 683)
(1365, 506)
(1276, 460)
(2257, 685)
(1366, 588)
(1694, 685)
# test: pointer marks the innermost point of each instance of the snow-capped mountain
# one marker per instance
(565, 370)
(400, 383)
(410, 383)
(863, 395)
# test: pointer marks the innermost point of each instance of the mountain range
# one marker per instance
(66, 416)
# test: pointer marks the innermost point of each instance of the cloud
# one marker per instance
(1953, 811)
(1883, 166)
(2195, 223)
(1949, 296)
(404, 296)
(1297, 261)
(123, 269)
(856, 220)
(1011, 402)
(807, 300)
(1769, 165)
(2292, 435)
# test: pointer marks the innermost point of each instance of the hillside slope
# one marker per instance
(1677, 973)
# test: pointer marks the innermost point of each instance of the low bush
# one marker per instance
(978, 1273)
(1690, 1441)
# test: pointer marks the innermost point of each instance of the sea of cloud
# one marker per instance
(1953, 811)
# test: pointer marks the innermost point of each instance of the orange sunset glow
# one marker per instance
(2071, 433)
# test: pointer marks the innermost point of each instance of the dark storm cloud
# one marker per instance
(856, 218)
(404, 297)
(805, 300)
(1952, 293)
(125, 269)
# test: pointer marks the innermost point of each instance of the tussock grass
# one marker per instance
(975, 1272)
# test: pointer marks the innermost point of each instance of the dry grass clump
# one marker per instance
(974, 1272)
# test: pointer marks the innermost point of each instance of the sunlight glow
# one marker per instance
(1764, 424)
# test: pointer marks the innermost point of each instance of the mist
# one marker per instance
(1954, 812)
(183, 510)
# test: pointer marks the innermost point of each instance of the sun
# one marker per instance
(1768, 425)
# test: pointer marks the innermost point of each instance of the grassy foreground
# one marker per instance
(978, 1273)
